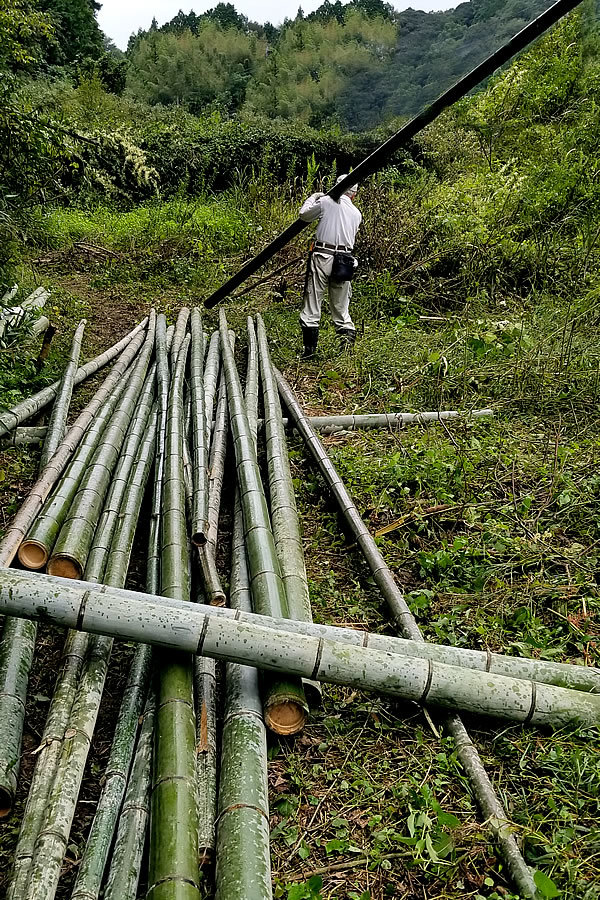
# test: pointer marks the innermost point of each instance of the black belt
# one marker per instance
(334, 247)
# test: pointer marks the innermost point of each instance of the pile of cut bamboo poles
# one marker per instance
(185, 778)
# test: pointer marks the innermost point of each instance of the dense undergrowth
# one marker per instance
(479, 287)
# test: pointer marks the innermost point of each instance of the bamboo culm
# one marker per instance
(199, 445)
(11, 418)
(76, 535)
(285, 704)
(205, 630)
(179, 334)
(173, 860)
(126, 859)
(487, 798)
(22, 437)
(18, 638)
(243, 864)
(100, 838)
(53, 836)
(60, 410)
(211, 376)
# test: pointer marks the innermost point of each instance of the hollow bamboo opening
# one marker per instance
(65, 567)
(286, 717)
(33, 555)
(6, 802)
(199, 538)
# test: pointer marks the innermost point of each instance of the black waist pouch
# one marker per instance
(343, 268)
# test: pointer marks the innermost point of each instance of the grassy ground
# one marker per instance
(491, 528)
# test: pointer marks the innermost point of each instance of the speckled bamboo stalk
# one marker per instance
(202, 629)
(487, 798)
(47, 759)
(179, 333)
(24, 436)
(52, 839)
(211, 376)
(126, 858)
(575, 677)
(35, 547)
(284, 513)
(93, 863)
(33, 405)
(218, 453)
(284, 701)
(60, 410)
(243, 864)
(199, 444)
(18, 638)
(173, 860)
(75, 539)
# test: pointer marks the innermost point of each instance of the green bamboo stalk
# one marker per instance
(11, 418)
(53, 836)
(284, 702)
(179, 334)
(126, 860)
(34, 549)
(47, 758)
(18, 638)
(211, 375)
(24, 436)
(200, 454)
(205, 630)
(173, 861)
(93, 862)
(76, 535)
(60, 411)
(205, 669)
(284, 513)
(575, 677)
(243, 865)
(483, 789)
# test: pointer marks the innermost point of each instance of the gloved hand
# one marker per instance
(318, 195)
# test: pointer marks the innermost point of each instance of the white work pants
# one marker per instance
(339, 293)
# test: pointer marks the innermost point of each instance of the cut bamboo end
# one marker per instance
(6, 802)
(286, 717)
(33, 555)
(65, 567)
(217, 599)
(313, 691)
(199, 538)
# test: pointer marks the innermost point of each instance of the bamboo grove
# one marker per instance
(147, 464)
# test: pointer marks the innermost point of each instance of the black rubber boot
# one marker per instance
(310, 336)
(347, 336)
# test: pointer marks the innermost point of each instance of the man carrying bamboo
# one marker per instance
(330, 265)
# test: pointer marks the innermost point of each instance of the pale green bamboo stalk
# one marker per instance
(52, 839)
(284, 701)
(126, 860)
(60, 411)
(76, 535)
(211, 375)
(10, 418)
(47, 759)
(164, 338)
(173, 861)
(200, 453)
(18, 638)
(35, 548)
(205, 630)
(22, 437)
(94, 859)
(218, 453)
(179, 333)
(243, 864)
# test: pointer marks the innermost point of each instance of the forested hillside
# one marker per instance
(357, 64)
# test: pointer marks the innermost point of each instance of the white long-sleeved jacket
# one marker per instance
(338, 221)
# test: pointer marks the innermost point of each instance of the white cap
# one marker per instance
(350, 190)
